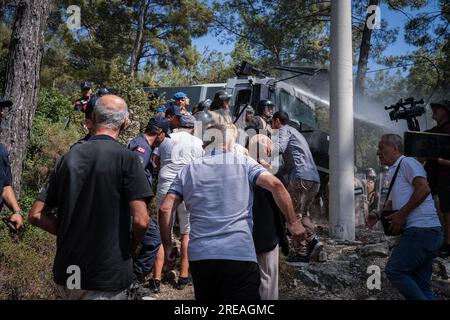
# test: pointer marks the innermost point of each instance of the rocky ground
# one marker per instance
(340, 274)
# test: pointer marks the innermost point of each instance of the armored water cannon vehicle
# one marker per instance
(289, 92)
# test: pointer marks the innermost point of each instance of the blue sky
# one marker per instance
(395, 19)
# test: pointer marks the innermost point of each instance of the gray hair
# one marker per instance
(223, 134)
(109, 119)
(393, 140)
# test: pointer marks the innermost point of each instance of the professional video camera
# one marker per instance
(402, 112)
(418, 144)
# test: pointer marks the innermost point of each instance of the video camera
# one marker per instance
(402, 112)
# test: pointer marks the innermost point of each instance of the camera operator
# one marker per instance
(15, 221)
(438, 173)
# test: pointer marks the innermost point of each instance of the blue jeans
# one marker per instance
(410, 266)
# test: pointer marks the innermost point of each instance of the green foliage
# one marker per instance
(26, 265)
(49, 137)
(5, 37)
(108, 34)
(367, 137)
(279, 32)
(140, 106)
(428, 72)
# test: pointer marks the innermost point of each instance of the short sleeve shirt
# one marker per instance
(218, 193)
(91, 187)
(141, 147)
(165, 151)
(425, 215)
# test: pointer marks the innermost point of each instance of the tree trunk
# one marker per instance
(22, 80)
(2, 9)
(138, 43)
(364, 55)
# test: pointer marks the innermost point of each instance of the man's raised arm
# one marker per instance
(284, 202)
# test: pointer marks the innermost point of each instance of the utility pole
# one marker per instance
(342, 199)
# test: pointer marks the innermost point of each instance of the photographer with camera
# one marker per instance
(411, 214)
(15, 221)
(438, 173)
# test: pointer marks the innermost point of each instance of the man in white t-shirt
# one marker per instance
(174, 154)
(409, 268)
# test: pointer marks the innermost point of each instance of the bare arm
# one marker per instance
(168, 206)
(11, 202)
(138, 210)
(10, 199)
(444, 162)
(39, 217)
(156, 160)
(284, 202)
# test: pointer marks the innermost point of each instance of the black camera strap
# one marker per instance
(392, 182)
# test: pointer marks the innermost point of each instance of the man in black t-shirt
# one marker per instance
(100, 194)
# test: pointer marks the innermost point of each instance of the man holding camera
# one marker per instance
(438, 173)
(15, 221)
(409, 268)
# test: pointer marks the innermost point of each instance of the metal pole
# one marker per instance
(342, 206)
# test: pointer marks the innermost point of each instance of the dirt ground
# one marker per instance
(341, 275)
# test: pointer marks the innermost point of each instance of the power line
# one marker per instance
(396, 67)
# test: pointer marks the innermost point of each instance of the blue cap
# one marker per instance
(179, 95)
(159, 122)
(173, 110)
(187, 121)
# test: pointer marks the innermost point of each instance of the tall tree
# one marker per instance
(279, 31)
(22, 79)
(428, 30)
(140, 34)
(364, 50)
(139, 40)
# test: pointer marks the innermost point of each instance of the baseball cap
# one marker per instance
(443, 104)
(187, 121)
(5, 103)
(103, 91)
(173, 110)
(86, 85)
(179, 95)
(158, 122)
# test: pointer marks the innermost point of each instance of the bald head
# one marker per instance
(110, 112)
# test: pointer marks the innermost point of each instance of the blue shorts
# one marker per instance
(143, 264)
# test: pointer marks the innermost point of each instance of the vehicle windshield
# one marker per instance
(297, 110)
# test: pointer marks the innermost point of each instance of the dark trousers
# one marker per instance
(219, 280)
(151, 242)
(410, 266)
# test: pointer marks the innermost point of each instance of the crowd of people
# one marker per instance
(236, 202)
(234, 208)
